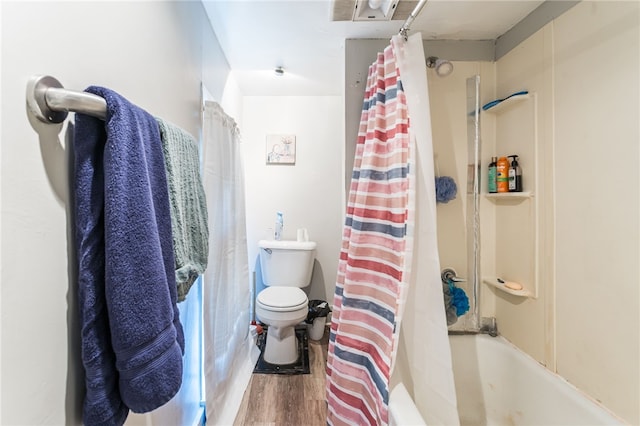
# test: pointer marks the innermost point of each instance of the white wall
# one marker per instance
(584, 69)
(597, 214)
(153, 53)
(309, 193)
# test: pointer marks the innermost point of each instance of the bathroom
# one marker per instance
(583, 67)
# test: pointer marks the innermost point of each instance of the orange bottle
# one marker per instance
(502, 173)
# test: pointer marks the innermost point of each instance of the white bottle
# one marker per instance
(279, 226)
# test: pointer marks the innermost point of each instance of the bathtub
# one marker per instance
(497, 384)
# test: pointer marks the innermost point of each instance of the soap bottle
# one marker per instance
(279, 226)
(515, 175)
(491, 179)
(502, 174)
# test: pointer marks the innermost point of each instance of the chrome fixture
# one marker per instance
(50, 102)
(442, 66)
(473, 320)
(489, 326)
(404, 29)
(449, 274)
(473, 323)
(279, 71)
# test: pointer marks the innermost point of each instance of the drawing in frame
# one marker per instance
(281, 149)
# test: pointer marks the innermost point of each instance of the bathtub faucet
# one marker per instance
(485, 325)
(449, 274)
(489, 326)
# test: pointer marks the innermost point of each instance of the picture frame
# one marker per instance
(281, 149)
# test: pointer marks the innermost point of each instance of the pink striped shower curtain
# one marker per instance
(373, 265)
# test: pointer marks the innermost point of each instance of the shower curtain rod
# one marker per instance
(404, 29)
(50, 102)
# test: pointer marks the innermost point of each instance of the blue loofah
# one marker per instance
(459, 299)
(446, 189)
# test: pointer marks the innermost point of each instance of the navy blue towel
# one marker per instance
(132, 339)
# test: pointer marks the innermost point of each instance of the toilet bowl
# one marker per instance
(281, 308)
(286, 268)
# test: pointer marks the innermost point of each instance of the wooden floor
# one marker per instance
(278, 400)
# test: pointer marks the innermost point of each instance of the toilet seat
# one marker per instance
(282, 299)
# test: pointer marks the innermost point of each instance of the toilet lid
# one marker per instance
(282, 297)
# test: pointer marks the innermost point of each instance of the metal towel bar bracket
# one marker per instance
(50, 102)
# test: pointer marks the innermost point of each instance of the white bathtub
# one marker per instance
(497, 384)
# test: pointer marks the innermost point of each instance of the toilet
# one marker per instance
(286, 269)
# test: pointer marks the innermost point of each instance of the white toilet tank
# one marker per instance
(287, 263)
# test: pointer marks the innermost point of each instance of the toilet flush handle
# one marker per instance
(268, 250)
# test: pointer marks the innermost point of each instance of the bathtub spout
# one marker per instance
(489, 326)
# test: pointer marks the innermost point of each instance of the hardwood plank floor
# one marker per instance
(281, 400)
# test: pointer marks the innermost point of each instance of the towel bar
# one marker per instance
(50, 102)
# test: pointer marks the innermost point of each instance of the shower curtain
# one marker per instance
(228, 349)
(389, 206)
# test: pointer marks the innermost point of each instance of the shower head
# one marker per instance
(442, 66)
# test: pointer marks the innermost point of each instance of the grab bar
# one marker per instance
(50, 102)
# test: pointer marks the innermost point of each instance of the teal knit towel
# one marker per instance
(188, 205)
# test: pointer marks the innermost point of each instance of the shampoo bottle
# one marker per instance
(279, 226)
(503, 174)
(515, 175)
(492, 176)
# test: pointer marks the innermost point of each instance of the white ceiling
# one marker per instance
(259, 35)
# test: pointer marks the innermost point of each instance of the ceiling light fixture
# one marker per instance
(279, 71)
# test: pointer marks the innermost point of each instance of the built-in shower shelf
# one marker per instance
(509, 197)
(500, 286)
(508, 103)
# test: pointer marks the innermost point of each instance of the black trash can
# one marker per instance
(317, 318)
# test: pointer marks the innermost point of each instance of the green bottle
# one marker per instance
(492, 178)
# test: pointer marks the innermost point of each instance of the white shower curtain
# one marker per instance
(424, 343)
(229, 352)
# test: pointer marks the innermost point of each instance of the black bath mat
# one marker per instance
(301, 366)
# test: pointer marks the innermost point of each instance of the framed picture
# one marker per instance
(281, 149)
